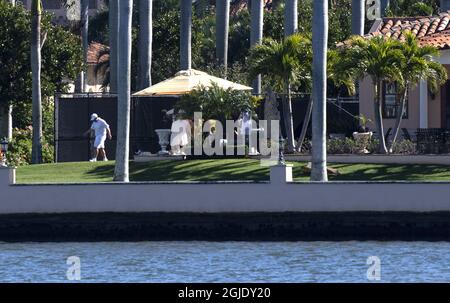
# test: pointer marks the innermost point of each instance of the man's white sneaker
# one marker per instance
(93, 160)
(105, 159)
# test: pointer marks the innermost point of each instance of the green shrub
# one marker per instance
(404, 147)
(19, 149)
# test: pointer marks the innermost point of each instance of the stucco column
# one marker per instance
(423, 104)
(281, 174)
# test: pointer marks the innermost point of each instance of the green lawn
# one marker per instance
(210, 170)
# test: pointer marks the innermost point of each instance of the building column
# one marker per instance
(423, 104)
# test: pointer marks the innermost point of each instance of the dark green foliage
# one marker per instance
(215, 103)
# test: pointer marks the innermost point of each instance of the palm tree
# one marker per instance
(256, 34)
(222, 25)
(358, 15)
(81, 83)
(6, 112)
(319, 112)
(290, 17)
(113, 43)
(121, 172)
(282, 62)
(381, 59)
(417, 66)
(185, 35)
(36, 11)
(145, 43)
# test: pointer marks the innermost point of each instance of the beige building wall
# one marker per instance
(412, 122)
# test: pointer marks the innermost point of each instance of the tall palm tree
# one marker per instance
(6, 112)
(85, 40)
(36, 11)
(417, 66)
(185, 35)
(358, 15)
(222, 26)
(290, 17)
(113, 43)
(121, 171)
(256, 34)
(145, 43)
(283, 62)
(381, 59)
(319, 112)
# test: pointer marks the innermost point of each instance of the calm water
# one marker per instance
(226, 262)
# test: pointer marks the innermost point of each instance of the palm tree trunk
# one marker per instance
(256, 35)
(145, 43)
(113, 43)
(379, 117)
(288, 118)
(358, 13)
(185, 35)
(319, 113)
(6, 112)
(398, 119)
(81, 84)
(305, 125)
(121, 172)
(290, 17)
(222, 25)
(36, 152)
(5, 121)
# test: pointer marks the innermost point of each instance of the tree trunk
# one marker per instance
(398, 119)
(145, 43)
(379, 117)
(319, 112)
(288, 119)
(121, 172)
(81, 84)
(358, 15)
(308, 113)
(5, 121)
(113, 43)
(36, 153)
(290, 17)
(185, 35)
(256, 35)
(222, 24)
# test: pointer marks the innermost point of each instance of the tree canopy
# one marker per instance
(61, 56)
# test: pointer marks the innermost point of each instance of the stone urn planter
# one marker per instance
(362, 140)
(164, 137)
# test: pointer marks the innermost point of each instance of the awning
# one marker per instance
(186, 81)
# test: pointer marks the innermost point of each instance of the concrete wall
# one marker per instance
(223, 197)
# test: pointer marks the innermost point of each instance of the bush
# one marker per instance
(404, 147)
(19, 149)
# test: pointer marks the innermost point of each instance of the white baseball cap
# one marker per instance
(93, 117)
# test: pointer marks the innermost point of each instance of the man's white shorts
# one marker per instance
(100, 141)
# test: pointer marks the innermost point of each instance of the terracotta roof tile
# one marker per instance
(434, 30)
(95, 51)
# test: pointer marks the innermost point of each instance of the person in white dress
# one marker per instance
(101, 131)
(180, 135)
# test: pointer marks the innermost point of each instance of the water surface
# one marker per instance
(226, 261)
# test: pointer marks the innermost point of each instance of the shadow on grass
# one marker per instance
(194, 170)
(248, 170)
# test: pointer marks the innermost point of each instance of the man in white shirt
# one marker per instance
(101, 131)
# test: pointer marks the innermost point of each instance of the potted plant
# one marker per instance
(363, 135)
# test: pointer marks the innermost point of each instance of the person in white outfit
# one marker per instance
(180, 135)
(101, 131)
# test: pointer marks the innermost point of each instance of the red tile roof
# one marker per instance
(433, 30)
(96, 53)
